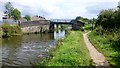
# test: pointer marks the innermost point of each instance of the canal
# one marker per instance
(28, 49)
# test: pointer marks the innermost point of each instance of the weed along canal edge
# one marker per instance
(70, 51)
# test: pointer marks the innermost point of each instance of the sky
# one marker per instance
(61, 9)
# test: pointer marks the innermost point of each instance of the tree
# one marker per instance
(106, 19)
(78, 18)
(117, 17)
(16, 14)
(9, 8)
(118, 5)
(27, 17)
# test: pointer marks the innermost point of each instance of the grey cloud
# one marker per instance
(32, 11)
(2, 4)
(43, 12)
(97, 7)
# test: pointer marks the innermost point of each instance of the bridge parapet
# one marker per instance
(34, 23)
(35, 26)
(60, 20)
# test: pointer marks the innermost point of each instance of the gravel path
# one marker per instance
(96, 56)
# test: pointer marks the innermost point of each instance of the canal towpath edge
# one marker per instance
(97, 57)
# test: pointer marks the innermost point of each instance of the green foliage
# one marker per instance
(27, 17)
(10, 30)
(117, 18)
(1, 31)
(108, 45)
(88, 27)
(82, 19)
(78, 18)
(6, 29)
(108, 23)
(71, 52)
(106, 19)
(16, 14)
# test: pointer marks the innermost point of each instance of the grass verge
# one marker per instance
(71, 52)
(109, 48)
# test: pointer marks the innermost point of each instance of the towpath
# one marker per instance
(97, 57)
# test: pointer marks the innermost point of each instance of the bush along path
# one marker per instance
(97, 57)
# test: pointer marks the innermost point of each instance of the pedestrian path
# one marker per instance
(97, 57)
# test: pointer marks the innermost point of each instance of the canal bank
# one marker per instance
(70, 51)
(8, 30)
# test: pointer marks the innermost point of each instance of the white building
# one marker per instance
(6, 19)
(34, 18)
(1, 16)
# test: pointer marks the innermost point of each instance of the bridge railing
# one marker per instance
(60, 20)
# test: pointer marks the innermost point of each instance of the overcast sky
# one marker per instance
(61, 8)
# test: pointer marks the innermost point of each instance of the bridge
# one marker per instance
(60, 21)
(45, 25)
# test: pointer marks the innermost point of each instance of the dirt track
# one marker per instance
(96, 56)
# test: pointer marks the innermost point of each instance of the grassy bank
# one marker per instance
(71, 52)
(10, 30)
(106, 46)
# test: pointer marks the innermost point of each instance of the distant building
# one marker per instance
(1, 15)
(5, 18)
(8, 20)
(77, 24)
(34, 18)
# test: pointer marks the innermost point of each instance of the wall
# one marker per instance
(1, 15)
(34, 29)
(35, 26)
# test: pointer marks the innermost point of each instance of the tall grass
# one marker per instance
(109, 45)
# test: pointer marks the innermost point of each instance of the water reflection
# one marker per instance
(59, 34)
(27, 49)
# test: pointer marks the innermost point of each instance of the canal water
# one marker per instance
(28, 49)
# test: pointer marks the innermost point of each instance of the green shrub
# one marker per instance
(88, 27)
(9, 30)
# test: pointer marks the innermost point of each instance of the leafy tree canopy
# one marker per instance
(27, 17)
(16, 14)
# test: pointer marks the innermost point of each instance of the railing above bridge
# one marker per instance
(45, 22)
(60, 20)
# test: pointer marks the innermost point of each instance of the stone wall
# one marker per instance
(35, 29)
(35, 26)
